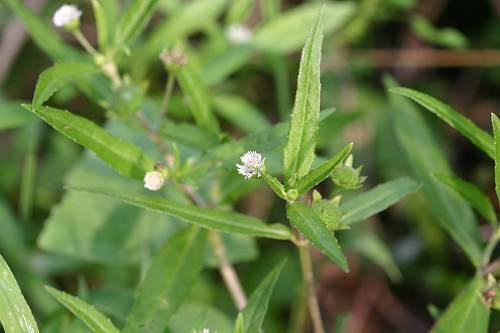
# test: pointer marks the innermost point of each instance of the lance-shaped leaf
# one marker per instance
(173, 272)
(134, 20)
(377, 199)
(105, 13)
(317, 175)
(191, 17)
(275, 185)
(286, 32)
(122, 156)
(367, 243)
(15, 314)
(496, 130)
(53, 78)
(198, 99)
(423, 158)
(299, 151)
(252, 316)
(214, 219)
(473, 195)
(476, 135)
(467, 313)
(92, 317)
(306, 220)
(240, 112)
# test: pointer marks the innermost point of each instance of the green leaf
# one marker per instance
(105, 12)
(198, 99)
(173, 272)
(206, 217)
(310, 224)
(15, 314)
(275, 185)
(134, 20)
(241, 113)
(476, 135)
(372, 247)
(92, 317)
(55, 77)
(423, 158)
(12, 243)
(239, 11)
(45, 38)
(467, 313)
(317, 175)
(194, 317)
(377, 199)
(239, 325)
(110, 232)
(286, 32)
(263, 141)
(299, 151)
(447, 37)
(496, 130)
(219, 67)
(190, 18)
(254, 312)
(30, 166)
(473, 195)
(189, 135)
(122, 156)
(13, 115)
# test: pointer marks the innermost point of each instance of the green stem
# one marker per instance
(312, 300)
(490, 247)
(84, 42)
(166, 97)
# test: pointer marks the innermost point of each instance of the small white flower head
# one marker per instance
(67, 16)
(238, 34)
(153, 180)
(252, 164)
(205, 330)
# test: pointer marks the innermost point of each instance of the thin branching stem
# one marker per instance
(166, 97)
(312, 300)
(226, 269)
(490, 247)
(84, 42)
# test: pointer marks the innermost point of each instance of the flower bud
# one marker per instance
(153, 180)
(347, 177)
(173, 59)
(238, 34)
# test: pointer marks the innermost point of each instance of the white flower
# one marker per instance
(153, 180)
(205, 330)
(238, 34)
(66, 15)
(253, 164)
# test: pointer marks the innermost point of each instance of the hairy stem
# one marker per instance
(312, 300)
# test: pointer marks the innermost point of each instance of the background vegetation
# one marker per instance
(405, 268)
